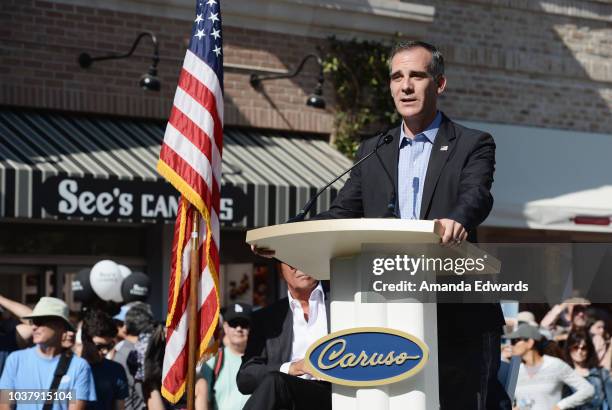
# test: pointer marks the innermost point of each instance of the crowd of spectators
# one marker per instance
(112, 357)
(565, 358)
(107, 357)
(104, 357)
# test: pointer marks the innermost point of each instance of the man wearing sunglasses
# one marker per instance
(48, 365)
(216, 388)
(99, 332)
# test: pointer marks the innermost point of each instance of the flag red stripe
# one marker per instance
(183, 297)
(192, 132)
(194, 179)
(176, 374)
(206, 314)
(204, 96)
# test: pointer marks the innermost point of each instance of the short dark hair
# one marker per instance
(139, 319)
(436, 65)
(98, 323)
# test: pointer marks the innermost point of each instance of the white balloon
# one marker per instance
(125, 271)
(106, 278)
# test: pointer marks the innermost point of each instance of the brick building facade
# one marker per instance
(510, 62)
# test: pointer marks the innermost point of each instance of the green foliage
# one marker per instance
(360, 76)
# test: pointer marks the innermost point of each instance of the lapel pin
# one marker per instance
(444, 148)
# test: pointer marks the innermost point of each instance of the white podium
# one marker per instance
(330, 249)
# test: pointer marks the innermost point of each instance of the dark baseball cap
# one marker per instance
(237, 311)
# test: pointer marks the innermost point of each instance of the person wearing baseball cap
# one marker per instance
(138, 325)
(542, 377)
(217, 378)
(48, 366)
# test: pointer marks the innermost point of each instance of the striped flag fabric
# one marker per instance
(190, 159)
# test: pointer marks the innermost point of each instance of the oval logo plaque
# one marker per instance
(367, 356)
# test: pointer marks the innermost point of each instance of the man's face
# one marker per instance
(580, 316)
(47, 330)
(237, 330)
(104, 344)
(296, 279)
(414, 91)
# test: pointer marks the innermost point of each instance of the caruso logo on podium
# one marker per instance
(367, 356)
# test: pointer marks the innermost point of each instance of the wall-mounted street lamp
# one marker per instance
(149, 80)
(315, 99)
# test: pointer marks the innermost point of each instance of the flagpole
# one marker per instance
(192, 347)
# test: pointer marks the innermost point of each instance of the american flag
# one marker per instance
(190, 159)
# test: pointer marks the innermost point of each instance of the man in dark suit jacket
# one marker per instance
(434, 169)
(450, 178)
(272, 369)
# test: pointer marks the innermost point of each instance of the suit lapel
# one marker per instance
(439, 156)
(287, 335)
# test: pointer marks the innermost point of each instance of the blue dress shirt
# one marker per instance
(412, 168)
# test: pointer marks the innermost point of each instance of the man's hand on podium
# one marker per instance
(298, 368)
(454, 233)
(264, 252)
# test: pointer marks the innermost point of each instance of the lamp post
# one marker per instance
(149, 80)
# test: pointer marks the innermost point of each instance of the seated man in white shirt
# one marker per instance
(273, 370)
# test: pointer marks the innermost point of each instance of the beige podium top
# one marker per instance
(310, 245)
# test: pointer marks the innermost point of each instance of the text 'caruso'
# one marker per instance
(334, 355)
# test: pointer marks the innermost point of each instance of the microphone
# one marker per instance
(383, 139)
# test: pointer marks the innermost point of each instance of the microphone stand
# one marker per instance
(390, 212)
(383, 138)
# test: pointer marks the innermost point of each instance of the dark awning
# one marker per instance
(68, 166)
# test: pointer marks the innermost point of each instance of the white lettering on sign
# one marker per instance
(145, 205)
(103, 202)
(86, 200)
(121, 204)
(155, 206)
(125, 204)
(161, 208)
(89, 203)
(226, 209)
(67, 189)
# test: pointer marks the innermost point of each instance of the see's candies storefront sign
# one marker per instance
(367, 356)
